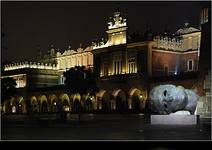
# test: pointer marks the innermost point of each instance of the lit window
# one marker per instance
(117, 67)
(105, 69)
(132, 65)
(204, 16)
(190, 65)
(62, 79)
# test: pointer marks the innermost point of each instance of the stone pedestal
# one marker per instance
(174, 119)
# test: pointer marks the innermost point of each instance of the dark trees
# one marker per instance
(81, 80)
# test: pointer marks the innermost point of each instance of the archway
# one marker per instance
(44, 104)
(136, 100)
(65, 103)
(120, 99)
(77, 107)
(34, 104)
(104, 100)
(10, 106)
(13, 105)
(88, 105)
(21, 105)
(54, 107)
(44, 107)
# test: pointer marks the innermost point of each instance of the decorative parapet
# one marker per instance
(73, 52)
(117, 26)
(168, 43)
(100, 44)
(26, 64)
(117, 21)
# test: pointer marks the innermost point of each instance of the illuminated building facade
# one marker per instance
(176, 53)
(125, 71)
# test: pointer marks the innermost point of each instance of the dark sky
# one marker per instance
(28, 24)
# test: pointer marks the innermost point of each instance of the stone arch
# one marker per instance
(77, 105)
(10, 105)
(21, 107)
(103, 100)
(44, 105)
(89, 102)
(120, 100)
(34, 105)
(65, 102)
(136, 101)
(77, 96)
(54, 103)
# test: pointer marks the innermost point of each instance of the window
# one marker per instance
(132, 65)
(62, 79)
(20, 82)
(118, 67)
(166, 70)
(190, 65)
(105, 69)
(115, 67)
(204, 16)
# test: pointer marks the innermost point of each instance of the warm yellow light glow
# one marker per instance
(117, 42)
(117, 25)
(13, 109)
(130, 106)
(67, 108)
(29, 65)
(77, 58)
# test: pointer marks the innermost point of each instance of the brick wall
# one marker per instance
(176, 62)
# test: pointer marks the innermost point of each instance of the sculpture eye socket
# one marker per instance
(164, 93)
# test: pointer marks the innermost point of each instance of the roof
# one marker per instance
(187, 30)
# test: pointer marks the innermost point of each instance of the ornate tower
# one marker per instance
(117, 27)
(117, 32)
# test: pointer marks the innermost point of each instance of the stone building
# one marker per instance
(204, 78)
(126, 71)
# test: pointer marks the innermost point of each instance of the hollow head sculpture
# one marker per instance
(167, 99)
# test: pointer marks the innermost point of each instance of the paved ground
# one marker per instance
(103, 127)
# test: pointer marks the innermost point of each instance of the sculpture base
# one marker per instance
(174, 119)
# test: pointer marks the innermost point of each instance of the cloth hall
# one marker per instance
(127, 69)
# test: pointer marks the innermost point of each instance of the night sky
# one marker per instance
(29, 24)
